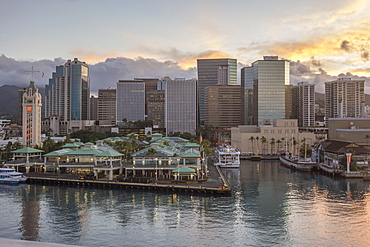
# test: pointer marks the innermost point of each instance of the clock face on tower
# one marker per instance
(29, 108)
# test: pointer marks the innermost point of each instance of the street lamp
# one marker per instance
(156, 167)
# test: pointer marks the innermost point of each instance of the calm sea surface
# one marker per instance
(270, 206)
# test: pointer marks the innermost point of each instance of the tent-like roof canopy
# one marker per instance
(71, 145)
(183, 169)
(58, 153)
(109, 153)
(27, 150)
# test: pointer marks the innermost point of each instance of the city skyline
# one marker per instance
(145, 38)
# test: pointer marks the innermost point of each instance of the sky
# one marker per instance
(145, 38)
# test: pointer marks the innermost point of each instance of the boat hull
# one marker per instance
(9, 181)
(255, 158)
(234, 165)
(306, 166)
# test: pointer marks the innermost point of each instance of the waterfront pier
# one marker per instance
(215, 185)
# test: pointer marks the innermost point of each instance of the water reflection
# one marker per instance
(270, 205)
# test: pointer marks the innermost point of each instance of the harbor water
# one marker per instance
(270, 206)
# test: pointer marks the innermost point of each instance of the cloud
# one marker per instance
(102, 75)
(105, 74)
(90, 56)
(187, 59)
(13, 72)
(345, 46)
(365, 56)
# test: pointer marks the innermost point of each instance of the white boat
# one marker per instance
(227, 157)
(295, 163)
(11, 173)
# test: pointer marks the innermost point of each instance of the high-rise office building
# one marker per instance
(31, 119)
(155, 103)
(288, 101)
(150, 86)
(223, 106)
(303, 104)
(247, 95)
(130, 103)
(344, 98)
(68, 92)
(107, 106)
(212, 72)
(180, 104)
(20, 105)
(93, 107)
(266, 81)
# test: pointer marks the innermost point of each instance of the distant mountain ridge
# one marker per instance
(9, 104)
(9, 100)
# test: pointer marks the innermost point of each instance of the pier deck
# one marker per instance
(215, 185)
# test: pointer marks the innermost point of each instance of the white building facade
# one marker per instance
(31, 119)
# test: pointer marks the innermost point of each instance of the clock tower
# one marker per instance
(31, 119)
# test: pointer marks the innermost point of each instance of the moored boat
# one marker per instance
(12, 174)
(255, 157)
(227, 157)
(297, 164)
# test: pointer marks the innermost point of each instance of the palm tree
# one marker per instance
(294, 144)
(272, 145)
(258, 146)
(278, 144)
(264, 142)
(124, 147)
(367, 137)
(166, 143)
(205, 143)
(252, 140)
(151, 152)
(283, 141)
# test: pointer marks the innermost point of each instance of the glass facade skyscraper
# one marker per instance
(68, 93)
(212, 72)
(130, 100)
(269, 78)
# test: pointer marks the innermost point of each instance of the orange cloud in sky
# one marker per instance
(92, 56)
(191, 61)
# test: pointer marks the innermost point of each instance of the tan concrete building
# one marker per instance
(107, 106)
(282, 135)
(344, 98)
(155, 103)
(303, 104)
(350, 130)
(223, 108)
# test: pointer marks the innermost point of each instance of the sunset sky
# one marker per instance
(331, 36)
